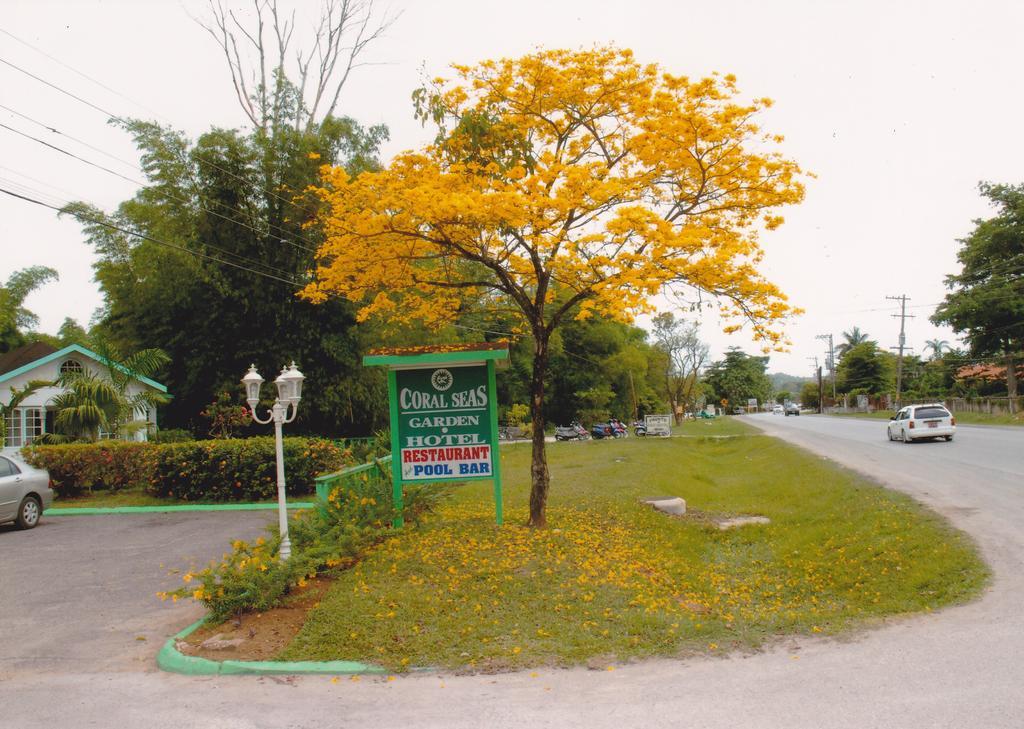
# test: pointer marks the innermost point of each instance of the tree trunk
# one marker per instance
(1011, 383)
(539, 467)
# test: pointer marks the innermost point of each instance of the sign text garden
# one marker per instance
(444, 417)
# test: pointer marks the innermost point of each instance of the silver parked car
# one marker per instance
(24, 492)
(918, 422)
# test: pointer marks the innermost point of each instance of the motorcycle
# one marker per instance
(573, 431)
(639, 428)
(619, 429)
(602, 430)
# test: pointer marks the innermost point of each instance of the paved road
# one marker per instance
(963, 667)
(78, 593)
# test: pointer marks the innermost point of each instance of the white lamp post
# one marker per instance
(289, 392)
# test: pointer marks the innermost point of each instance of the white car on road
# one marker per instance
(24, 492)
(917, 422)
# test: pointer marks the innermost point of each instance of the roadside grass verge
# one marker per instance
(962, 418)
(612, 580)
(103, 499)
(719, 426)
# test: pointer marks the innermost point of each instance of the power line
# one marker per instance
(122, 120)
(77, 71)
(136, 181)
(268, 266)
(144, 236)
(54, 130)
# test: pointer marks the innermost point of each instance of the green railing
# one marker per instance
(328, 481)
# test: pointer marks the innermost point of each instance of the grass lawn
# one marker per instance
(962, 418)
(611, 579)
(139, 497)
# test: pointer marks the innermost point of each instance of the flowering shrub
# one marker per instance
(214, 470)
(333, 535)
(80, 467)
(240, 469)
(226, 418)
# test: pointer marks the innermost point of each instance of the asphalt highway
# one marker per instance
(962, 667)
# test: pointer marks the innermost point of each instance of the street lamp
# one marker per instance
(289, 392)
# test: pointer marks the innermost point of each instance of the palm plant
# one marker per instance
(937, 346)
(93, 403)
(121, 371)
(851, 339)
(88, 406)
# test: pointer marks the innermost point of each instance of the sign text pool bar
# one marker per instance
(444, 415)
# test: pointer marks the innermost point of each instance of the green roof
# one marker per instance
(79, 349)
(442, 354)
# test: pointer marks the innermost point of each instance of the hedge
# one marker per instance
(213, 470)
(109, 465)
(240, 469)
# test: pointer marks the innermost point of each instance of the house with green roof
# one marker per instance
(40, 361)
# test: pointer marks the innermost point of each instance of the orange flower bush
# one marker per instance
(331, 536)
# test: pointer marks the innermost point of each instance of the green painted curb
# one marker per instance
(172, 660)
(91, 511)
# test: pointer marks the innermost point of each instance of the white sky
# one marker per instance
(899, 108)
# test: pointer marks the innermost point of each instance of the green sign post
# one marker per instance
(444, 415)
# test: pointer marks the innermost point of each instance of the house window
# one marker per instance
(13, 423)
(23, 426)
(71, 367)
(32, 424)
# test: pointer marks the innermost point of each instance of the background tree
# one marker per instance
(560, 184)
(213, 283)
(739, 377)
(684, 357)
(850, 339)
(71, 332)
(810, 397)
(863, 368)
(937, 347)
(279, 85)
(15, 319)
(986, 299)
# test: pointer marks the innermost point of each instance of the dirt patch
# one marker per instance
(257, 636)
(721, 521)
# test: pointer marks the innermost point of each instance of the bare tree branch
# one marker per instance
(272, 91)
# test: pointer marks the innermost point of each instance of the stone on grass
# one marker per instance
(738, 521)
(669, 504)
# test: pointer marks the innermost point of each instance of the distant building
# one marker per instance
(40, 361)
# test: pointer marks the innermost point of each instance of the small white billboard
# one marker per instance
(659, 425)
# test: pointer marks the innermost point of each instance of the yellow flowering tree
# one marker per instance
(559, 184)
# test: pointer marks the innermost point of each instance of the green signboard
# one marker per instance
(444, 424)
(444, 416)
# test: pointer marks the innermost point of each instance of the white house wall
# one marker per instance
(50, 371)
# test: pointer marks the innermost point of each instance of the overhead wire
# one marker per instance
(172, 196)
(153, 239)
(77, 71)
(111, 115)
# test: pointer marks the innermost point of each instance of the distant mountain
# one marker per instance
(782, 382)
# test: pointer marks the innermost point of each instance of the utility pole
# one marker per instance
(902, 298)
(830, 362)
(816, 369)
(821, 393)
